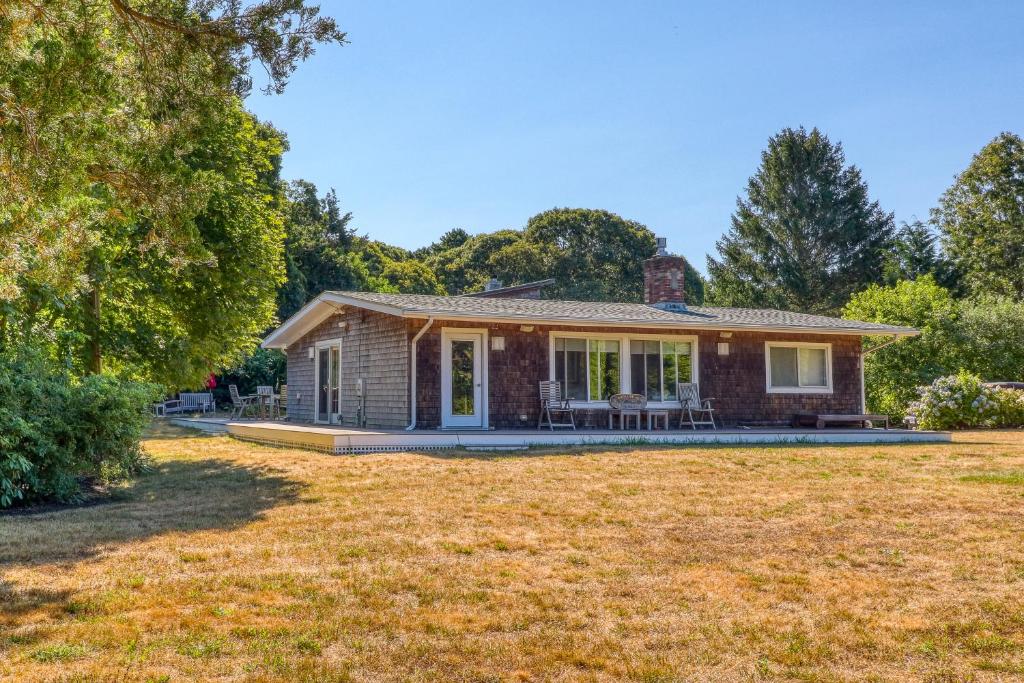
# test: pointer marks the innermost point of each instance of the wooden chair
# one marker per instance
(239, 403)
(281, 402)
(626, 406)
(552, 403)
(265, 400)
(690, 400)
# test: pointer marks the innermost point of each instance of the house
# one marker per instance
(391, 361)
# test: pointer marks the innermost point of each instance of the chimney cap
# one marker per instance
(662, 244)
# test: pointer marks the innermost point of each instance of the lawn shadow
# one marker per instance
(175, 496)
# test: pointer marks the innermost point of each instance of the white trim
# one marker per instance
(323, 344)
(447, 334)
(827, 389)
(625, 364)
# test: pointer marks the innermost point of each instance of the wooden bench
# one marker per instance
(819, 421)
(187, 403)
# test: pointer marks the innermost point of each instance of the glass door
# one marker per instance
(328, 374)
(462, 380)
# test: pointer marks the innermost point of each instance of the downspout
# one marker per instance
(412, 374)
(864, 354)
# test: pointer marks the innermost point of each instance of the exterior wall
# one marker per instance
(736, 381)
(374, 347)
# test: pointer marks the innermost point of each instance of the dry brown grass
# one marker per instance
(238, 562)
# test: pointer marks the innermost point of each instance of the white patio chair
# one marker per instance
(691, 403)
(239, 404)
(552, 403)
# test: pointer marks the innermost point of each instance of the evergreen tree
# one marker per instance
(982, 219)
(916, 252)
(806, 236)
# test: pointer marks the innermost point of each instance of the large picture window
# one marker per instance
(657, 367)
(593, 368)
(802, 368)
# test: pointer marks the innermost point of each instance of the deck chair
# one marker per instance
(239, 403)
(552, 403)
(692, 405)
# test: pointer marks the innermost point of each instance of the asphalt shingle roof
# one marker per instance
(569, 312)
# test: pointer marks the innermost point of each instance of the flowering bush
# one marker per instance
(962, 401)
(1009, 407)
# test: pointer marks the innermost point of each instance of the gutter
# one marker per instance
(412, 374)
(863, 355)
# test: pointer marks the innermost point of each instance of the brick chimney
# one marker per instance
(663, 280)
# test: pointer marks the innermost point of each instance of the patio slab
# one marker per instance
(344, 440)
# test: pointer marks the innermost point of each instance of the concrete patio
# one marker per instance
(347, 440)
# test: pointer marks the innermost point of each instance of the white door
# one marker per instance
(328, 382)
(463, 390)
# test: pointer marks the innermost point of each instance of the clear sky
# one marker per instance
(481, 114)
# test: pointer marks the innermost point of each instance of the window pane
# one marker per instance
(637, 375)
(604, 369)
(571, 367)
(463, 402)
(783, 363)
(645, 369)
(812, 368)
(669, 367)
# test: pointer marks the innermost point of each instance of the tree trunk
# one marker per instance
(93, 358)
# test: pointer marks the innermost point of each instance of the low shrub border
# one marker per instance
(963, 401)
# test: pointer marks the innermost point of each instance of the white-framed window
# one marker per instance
(798, 368)
(589, 369)
(593, 367)
(657, 366)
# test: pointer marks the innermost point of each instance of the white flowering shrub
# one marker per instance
(1009, 407)
(962, 401)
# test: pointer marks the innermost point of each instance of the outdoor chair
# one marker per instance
(626, 406)
(265, 400)
(240, 404)
(280, 407)
(692, 405)
(552, 403)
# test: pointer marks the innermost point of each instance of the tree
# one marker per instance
(892, 374)
(806, 236)
(982, 219)
(915, 252)
(983, 336)
(106, 108)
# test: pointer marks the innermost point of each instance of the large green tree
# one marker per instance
(593, 255)
(109, 193)
(982, 219)
(806, 235)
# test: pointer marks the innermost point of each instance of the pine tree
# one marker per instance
(806, 236)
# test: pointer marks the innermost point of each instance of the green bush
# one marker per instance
(1009, 407)
(54, 431)
(962, 401)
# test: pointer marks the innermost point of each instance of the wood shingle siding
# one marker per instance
(374, 347)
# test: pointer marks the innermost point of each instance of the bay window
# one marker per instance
(798, 367)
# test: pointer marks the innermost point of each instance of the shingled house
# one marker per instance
(363, 359)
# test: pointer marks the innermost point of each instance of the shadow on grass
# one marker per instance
(176, 496)
(160, 429)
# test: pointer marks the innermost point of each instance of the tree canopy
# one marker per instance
(806, 236)
(982, 219)
(139, 202)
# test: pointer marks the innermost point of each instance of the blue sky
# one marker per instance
(481, 114)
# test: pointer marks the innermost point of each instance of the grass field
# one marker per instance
(232, 561)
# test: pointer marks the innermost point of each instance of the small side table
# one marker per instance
(653, 415)
(624, 415)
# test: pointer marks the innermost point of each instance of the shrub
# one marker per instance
(1009, 407)
(54, 431)
(963, 401)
